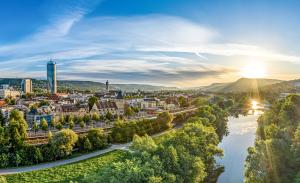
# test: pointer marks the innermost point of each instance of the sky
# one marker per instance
(183, 43)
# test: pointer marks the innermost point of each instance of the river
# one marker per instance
(241, 136)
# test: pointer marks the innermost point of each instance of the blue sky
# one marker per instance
(167, 42)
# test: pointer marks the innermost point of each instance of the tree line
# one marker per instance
(186, 155)
(14, 151)
(275, 155)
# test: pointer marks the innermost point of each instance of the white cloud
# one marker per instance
(128, 44)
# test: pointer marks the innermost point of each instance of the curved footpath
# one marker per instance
(72, 160)
(63, 162)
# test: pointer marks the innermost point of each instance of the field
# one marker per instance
(72, 172)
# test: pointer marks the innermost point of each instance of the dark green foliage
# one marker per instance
(124, 131)
(217, 118)
(2, 119)
(188, 155)
(275, 156)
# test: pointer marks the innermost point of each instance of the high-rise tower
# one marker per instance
(26, 86)
(51, 77)
(107, 86)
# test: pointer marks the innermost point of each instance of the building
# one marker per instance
(4, 86)
(36, 116)
(149, 103)
(51, 77)
(103, 107)
(26, 86)
(107, 86)
(5, 93)
(71, 109)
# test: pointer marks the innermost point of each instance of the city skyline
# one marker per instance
(100, 40)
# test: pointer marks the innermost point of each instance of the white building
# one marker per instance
(4, 93)
(149, 103)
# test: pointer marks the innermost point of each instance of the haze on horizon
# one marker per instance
(172, 43)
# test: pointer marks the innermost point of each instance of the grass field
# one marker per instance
(72, 172)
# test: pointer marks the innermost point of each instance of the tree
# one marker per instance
(87, 146)
(128, 111)
(165, 119)
(92, 101)
(145, 143)
(82, 124)
(35, 127)
(95, 117)
(2, 119)
(86, 118)
(44, 103)
(59, 126)
(98, 138)
(183, 102)
(62, 119)
(44, 125)
(71, 124)
(17, 129)
(37, 156)
(109, 116)
(63, 142)
(53, 122)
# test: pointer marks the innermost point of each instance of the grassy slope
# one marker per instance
(66, 173)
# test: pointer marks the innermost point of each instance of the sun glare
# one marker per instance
(254, 105)
(253, 70)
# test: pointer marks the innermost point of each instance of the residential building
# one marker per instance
(149, 103)
(4, 93)
(51, 77)
(71, 109)
(36, 116)
(103, 107)
(26, 86)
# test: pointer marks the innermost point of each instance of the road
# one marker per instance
(72, 160)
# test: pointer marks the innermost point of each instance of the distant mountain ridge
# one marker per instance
(85, 85)
(241, 85)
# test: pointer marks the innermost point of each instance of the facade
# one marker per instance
(51, 77)
(149, 104)
(26, 86)
(4, 93)
(103, 107)
(71, 109)
(35, 116)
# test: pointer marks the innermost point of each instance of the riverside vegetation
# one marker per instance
(275, 156)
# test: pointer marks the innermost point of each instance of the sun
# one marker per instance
(253, 70)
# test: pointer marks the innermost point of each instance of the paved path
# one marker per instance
(64, 162)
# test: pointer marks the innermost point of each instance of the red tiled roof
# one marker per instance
(2, 103)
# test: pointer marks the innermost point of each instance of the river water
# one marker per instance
(241, 136)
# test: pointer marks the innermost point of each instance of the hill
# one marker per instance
(291, 86)
(241, 85)
(84, 85)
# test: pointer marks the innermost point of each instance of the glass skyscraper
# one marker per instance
(51, 77)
